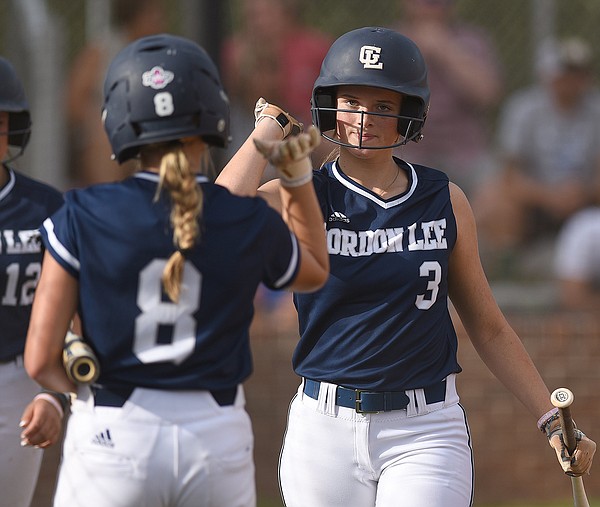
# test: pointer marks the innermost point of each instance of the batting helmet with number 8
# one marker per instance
(162, 88)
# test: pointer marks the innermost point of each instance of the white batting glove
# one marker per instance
(288, 124)
(291, 156)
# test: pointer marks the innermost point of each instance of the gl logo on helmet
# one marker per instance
(369, 57)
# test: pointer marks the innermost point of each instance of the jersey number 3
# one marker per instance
(433, 271)
(157, 312)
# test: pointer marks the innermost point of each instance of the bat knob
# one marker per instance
(562, 397)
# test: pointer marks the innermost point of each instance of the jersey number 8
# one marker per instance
(156, 312)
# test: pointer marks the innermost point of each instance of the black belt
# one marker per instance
(375, 401)
(117, 396)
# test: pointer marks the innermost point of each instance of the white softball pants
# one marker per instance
(161, 449)
(19, 466)
(333, 456)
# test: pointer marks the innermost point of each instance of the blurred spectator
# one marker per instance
(549, 142)
(90, 150)
(465, 79)
(577, 261)
(274, 56)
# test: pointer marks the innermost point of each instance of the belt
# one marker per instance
(375, 401)
(117, 396)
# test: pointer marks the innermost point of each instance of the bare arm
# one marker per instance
(299, 205)
(494, 339)
(243, 173)
(54, 305)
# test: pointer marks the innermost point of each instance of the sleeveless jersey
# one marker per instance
(24, 204)
(116, 240)
(381, 322)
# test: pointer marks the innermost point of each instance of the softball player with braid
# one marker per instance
(377, 420)
(163, 268)
(24, 205)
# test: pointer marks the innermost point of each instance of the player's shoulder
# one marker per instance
(423, 171)
(35, 186)
(221, 202)
(39, 195)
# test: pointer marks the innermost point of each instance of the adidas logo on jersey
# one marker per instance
(103, 439)
(336, 216)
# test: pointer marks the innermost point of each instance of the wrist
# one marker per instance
(58, 400)
(270, 129)
(547, 419)
(285, 121)
(297, 180)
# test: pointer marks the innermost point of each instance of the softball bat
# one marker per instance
(79, 360)
(562, 398)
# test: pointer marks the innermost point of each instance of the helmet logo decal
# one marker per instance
(369, 57)
(157, 78)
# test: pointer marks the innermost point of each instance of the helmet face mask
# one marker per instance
(14, 102)
(374, 57)
(406, 125)
(163, 88)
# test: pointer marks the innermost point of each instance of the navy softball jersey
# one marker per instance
(115, 239)
(24, 204)
(381, 322)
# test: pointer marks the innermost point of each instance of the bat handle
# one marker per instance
(562, 398)
(568, 429)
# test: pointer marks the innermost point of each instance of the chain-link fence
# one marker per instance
(43, 36)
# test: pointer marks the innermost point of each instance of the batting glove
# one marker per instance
(581, 461)
(288, 124)
(291, 156)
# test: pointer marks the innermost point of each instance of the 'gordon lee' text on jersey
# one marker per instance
(381, 322)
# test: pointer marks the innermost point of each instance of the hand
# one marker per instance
(581, 461)
(288, 124)
(41, 423)
(291, 156)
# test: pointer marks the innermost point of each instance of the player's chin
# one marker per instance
(366, 151)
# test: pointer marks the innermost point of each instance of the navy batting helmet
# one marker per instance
(377, 57)
(162, 88)
(14, 102)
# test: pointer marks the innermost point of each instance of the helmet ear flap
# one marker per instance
(19, 128)
(323, 106)
(410, 126)
(14, 102)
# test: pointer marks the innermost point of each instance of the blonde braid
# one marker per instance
(178, 178)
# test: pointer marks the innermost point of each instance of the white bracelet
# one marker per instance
(295, 182)
(546, 417)
(52, 400)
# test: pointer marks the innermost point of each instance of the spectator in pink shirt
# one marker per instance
(272, 55)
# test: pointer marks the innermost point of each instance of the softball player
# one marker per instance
(163, 268)
(24, 204)
(377, 419)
